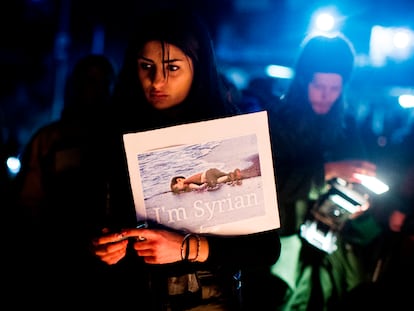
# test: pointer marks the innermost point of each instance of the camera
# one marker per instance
(340, 202)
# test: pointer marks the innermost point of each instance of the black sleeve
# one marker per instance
(247, 250)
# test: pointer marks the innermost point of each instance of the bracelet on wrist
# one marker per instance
(197, 248)
(185, 247)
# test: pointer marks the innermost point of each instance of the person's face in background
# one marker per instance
(165, 76)
(323, 90)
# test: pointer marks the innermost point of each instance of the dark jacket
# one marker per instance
(221, 273)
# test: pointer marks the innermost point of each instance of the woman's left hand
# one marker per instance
(110, 247)
(156, 246)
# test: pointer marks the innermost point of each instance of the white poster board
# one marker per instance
(242, 205)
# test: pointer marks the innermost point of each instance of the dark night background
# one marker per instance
(41, 40)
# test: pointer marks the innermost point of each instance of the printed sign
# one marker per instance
(206, 177)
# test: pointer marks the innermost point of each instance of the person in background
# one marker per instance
(169, 76)
(391, 286)
(394, 281)
(61, 187)
(315, 141)
(4, 174)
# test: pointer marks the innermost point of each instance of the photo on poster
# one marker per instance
(204, 177)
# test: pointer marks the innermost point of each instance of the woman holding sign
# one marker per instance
(169, 77)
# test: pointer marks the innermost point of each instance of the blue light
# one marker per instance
(402, 39)
(281, 72)
(238, 76)
(13, 165)
(325, 22)
(406, 101)
(390, 43)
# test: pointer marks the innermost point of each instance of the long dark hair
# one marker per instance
(330, 54)
(206, 99)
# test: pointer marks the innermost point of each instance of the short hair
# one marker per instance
(174, 182)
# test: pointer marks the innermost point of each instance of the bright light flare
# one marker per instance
(406, 101)
(13, 165)
(390, 42)
(372, 183)
(280, 72)
(401, 38)
(325, 22)
(345, 204)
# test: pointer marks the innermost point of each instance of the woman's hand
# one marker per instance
(110, 248)
(347, 170)
(156, 246)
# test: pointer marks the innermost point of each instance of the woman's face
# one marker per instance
(166, 78)
(323, 90)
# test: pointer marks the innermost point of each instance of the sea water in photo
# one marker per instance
(201, 209)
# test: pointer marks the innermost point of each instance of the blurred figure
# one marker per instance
(8, 147)
(4, 175)
(391, 285)
(61, 186)
(314, 142)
